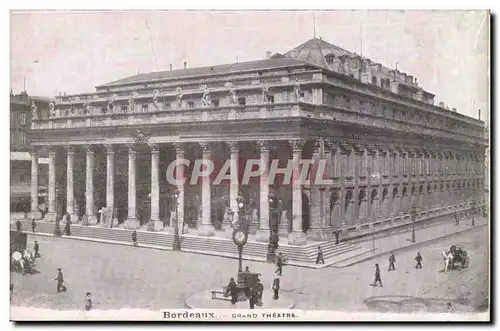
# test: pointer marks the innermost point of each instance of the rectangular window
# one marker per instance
(124, 109)
(242, 101)
(215, 103)
(145, 107)
(23, 118)
(271, 98)
(374, 80)
(190, 104)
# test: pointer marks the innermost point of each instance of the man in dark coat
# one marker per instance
(232, 290)
(19, 226)
(377, 276)
(279, 263)
(275, 239)
(457, 219)
(259, 290)
(67, 228)
(320, 256)
(392, 261)
(419, 260)
(33, 225)
(276, 286)
(336, 234)
(36, 248)
(60, 281)
(134, 238)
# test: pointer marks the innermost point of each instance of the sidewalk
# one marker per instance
(402, 241)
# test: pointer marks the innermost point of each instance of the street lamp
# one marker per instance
(57, 228)
(271, 251)
(176, 246)
(413, 218)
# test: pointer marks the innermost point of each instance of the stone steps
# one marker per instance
(216, 245)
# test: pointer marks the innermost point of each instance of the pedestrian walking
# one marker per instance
(88, 301)
(279, 263)
(33, 225)
(457, 219)
(276, 286)
(134, 238)
(392, 261)
(320, 256)
(36, 248)
(60, 281)
(19, 226)
(377, 276)
(419, 260)
(259, 290)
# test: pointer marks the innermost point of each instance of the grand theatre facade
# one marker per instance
(386, 146)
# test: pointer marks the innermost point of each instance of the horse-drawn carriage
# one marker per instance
(456, 256)
(21, 260)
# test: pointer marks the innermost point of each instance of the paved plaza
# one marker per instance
(133, 277)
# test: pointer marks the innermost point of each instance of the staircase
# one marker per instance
(209, 245)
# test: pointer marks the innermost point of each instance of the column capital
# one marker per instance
(233, 146)
(178, 146)
(329, 145)
(315, 145)
(89, 148)
(345, 146)
(52, 149)
(154, 147)
(69, 149)
(109, 148)
(297, 144)
(372, 148)
(131, 148)
(264, 145)
(34, 149)
(205, 146)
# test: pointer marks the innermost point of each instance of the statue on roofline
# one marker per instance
(179, 96)
(296, 90)
(34, 110)
(265, 93)
(205, 99)
(111, 102)
(233, 98)
(156, 94)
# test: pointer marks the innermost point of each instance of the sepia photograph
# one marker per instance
(250, 165)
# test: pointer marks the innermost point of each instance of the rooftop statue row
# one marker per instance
(157, 100)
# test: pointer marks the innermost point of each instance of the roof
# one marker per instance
(314, 51)
(208, 70)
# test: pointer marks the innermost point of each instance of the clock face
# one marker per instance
(239, 237)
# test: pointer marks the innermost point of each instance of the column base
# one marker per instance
(262, 235)
(206, 230)
(50, 217)
(297, 238)
(283, 230)
(319, 234)
(89, 220)
(35, 214)
(131, 224)
(155, 225)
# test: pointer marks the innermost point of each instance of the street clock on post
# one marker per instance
(240, 237)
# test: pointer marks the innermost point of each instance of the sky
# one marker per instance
(72, 52)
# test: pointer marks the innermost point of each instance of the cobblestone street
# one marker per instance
(132, 277)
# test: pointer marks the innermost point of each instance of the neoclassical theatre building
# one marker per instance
(386, 144)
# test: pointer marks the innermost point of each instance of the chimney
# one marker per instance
(479, 114)
(454, 110)
(170, 66)
(185, 65)
(441, 104)
(268, 55)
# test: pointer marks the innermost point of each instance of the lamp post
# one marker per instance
(57, 228)
(413, 218)
(271, 251)
(176, 246)
(473, 212)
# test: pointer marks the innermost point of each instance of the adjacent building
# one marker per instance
(386, 144)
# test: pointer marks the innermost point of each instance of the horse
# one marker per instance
(448, 259)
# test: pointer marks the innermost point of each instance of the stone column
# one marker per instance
(89, 217)
(206, 229)
(234, 183)
(155, 222)
(110, 182)
(262, 233)
(179, 174)
(317, 198)
(70, 196)
(51, 214)
(297, 236)
(132, 222)
(35, 212)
